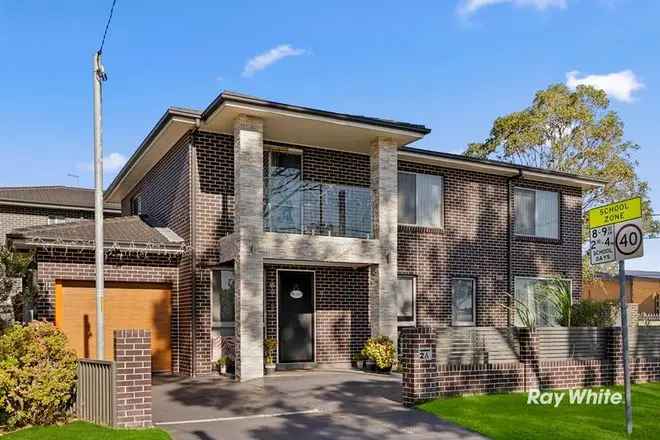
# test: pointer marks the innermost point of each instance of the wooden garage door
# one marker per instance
(127, 306)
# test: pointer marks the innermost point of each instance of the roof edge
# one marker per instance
(496, 164)
(56, 206)
(245, 99)
(169, 114)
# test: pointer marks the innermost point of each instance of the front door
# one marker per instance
(296, 316)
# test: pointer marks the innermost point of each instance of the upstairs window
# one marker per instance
(136, 205)
(537, 213)
(420, 199)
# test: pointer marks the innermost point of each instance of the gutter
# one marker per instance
(193, 245)
(509, 241)
(54, 206)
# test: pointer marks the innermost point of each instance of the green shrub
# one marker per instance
(380, 350)
(589, 313)
(37, 374)
(270, 344)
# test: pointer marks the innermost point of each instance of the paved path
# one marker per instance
(294, 405)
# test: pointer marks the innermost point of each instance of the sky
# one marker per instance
(453, 65)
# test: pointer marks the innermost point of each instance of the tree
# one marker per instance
(15, 265)
(572, 132)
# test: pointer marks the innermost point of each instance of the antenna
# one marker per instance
(74, 176)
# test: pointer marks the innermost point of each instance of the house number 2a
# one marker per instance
(425, 354)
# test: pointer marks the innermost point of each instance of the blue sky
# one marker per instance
(453, 65)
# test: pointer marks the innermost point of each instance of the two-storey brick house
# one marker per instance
(321, 229)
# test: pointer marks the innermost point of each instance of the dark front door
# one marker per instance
(296, 316)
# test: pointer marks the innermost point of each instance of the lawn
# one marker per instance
(509, 417)
(84, 431)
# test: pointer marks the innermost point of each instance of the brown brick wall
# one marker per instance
(14, 217)
(79, 266)
(341, 306)
(473, 243)
(165, 193)
(133, 404)
(426, 379)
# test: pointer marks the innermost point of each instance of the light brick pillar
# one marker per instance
(248, 215)
(383, 277)
(420, 365)
(133, 378)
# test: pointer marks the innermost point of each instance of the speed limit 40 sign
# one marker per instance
(616, 232)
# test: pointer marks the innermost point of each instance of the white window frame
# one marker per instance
(221, 324)
(57, 219)
(412, 323)
(542, 278)
(454, 322)
(442, 201)
(136, 200)
(535, 191)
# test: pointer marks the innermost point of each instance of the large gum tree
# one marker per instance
(572, 131)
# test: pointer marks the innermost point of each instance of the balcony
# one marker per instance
(296, 206)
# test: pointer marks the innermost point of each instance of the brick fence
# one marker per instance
(133, 379)
(425, 377)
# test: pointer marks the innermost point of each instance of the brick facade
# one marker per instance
(474, 243)
(133, 401)
(60, 265)
(341, 310)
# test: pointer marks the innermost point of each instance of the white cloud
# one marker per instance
(618, 85)
(468, 7)
(263, 60)
(112, 163)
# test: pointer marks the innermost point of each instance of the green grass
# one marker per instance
(84, 431)
(509, 417)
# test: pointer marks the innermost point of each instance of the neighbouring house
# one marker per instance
(25, 206)
(642, 287)
(316, 228)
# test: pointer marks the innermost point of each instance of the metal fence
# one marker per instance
(477, 345)
(557, 343)
(95, 391)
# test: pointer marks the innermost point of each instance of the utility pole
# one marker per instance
(623, 303)
(99, 77)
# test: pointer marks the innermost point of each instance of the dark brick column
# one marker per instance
(615, 356)
(420, 365)
(529, 357)
(133, 380)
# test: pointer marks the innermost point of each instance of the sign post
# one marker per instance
(616, 235)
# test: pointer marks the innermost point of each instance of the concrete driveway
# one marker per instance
(294, 405)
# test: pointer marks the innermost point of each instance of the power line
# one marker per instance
(107, 25)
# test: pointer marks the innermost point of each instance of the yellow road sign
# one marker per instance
(617, 212)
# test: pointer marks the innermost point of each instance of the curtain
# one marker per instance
(524, 210)
(429, 200)
(405, 299)
(547, 214)
(407, 195)
(463, 299)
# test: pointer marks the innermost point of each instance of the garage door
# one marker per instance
(127, 306)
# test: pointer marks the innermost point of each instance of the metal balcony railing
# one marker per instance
(315, 208)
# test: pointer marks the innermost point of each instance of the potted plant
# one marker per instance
(270, 344)
(379, 352)
(222, 364)
(358, 361)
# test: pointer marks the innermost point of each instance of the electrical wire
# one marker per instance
(107, 25)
